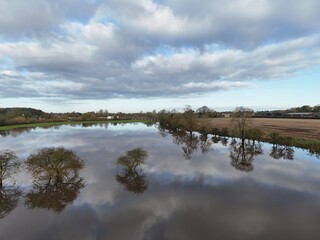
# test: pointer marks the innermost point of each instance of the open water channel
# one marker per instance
(137, 182)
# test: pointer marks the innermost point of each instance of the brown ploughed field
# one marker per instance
(301, 128)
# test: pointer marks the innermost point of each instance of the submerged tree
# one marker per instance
(56, 178)
(132, 178)
(54, 163)
(9, 194)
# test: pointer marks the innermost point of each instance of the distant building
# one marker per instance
(301, 114)
(226, 115)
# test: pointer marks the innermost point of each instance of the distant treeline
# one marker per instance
(9, 116)
(305, 111)
(13, 116)
(16, 112)
(18, 115)
(241, 127)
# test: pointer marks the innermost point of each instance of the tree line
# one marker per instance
(11, 116)
(310, 111)
(241, 127)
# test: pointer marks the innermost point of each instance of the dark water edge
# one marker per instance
(139, 183)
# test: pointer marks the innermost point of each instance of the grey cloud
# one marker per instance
(248, 24)
(239, 24)
(14, 84)
(243, 24)
(76, 10)
(77, 70)
(27, 18)
(109, 49)
(40, 18)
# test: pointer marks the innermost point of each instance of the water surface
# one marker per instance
(141, 183)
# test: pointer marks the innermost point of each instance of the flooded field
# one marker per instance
(133, 181)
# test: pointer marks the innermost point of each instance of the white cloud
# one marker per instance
(215, 85)
(150, 49)
(9, 73)
(159, 20)
(91, 33)
(96, 66)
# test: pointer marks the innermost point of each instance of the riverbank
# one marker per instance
(302, 133)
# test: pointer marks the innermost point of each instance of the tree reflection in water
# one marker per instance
(224, 141)
(15, 132)
(9, 194)
(204, 143)
(56, 178)
(133, 179)
(242, 153)
(190, 143)
(285, 152)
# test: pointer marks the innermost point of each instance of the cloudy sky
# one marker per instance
(132, 55)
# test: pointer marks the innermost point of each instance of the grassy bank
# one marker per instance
(49, 124)
(313, 145)
(310, 144)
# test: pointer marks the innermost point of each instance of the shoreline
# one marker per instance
(49, 124)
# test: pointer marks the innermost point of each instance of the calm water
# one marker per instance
(140, 183)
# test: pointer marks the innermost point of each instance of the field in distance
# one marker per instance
(300, 128)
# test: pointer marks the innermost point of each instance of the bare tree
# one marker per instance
(189, 119)
(241, 120)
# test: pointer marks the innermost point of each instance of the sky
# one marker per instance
(144, 55)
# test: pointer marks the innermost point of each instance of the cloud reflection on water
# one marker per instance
(203, 197)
